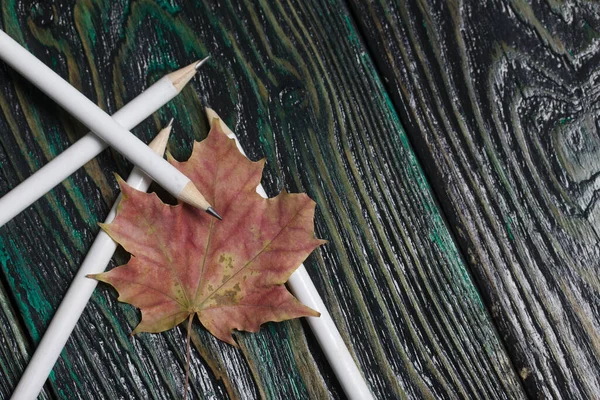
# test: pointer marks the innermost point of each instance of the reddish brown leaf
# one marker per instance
(230, 273)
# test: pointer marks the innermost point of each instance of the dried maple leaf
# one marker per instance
(229, 273)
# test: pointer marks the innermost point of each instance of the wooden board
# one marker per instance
(14, 348)
(296, 84)
(500, 100)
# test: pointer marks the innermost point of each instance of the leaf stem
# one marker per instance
(187, 357)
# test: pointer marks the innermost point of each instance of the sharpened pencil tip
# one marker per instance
(170, 124)
(212, 212)
(201, 62)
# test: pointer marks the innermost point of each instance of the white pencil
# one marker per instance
(101, 123)
(329, 338)
(89, 146)
(79, 293)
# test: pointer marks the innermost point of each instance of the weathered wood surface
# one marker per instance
(295, 82)
(14, 348)
(500, 100)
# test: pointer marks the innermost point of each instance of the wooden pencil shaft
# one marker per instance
(90, 115)
(344, 367)
(82, 151)
(78, 295)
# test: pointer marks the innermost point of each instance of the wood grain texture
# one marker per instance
(45, 245)
(14, 348)
(500, 100)
(296, 84)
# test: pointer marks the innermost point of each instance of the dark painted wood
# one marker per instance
(500, 100)
(296, 84)
(14, 348)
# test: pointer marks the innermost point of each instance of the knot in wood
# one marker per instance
(292, 95)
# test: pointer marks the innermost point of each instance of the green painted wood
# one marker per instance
(14, 348)
(296, 84)
(500, 101)
(45, 245)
